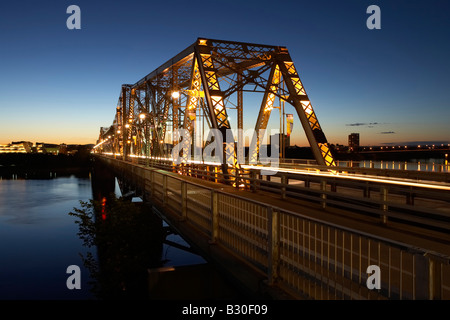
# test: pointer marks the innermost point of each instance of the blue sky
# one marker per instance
(390, 85)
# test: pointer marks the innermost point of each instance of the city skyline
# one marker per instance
(389, 85)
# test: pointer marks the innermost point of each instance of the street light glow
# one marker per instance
(175, 94)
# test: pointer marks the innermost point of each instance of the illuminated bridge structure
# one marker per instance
(290, 231)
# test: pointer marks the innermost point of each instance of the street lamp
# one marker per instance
(175, 94)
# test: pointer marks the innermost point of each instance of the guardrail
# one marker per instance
(380, 164)
(402, 203)
(302, 255)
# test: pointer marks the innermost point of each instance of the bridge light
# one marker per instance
(127, 125)
(142, 116)
(118, 131)
(175, 94)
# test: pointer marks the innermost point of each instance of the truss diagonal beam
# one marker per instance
(299, 99)
(265, 110)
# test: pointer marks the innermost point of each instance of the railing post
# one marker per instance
(323, 187)
(253, 180)
(434, 279)
(284, 182)
(215, 216)
(366, 191)
(384, 206)
(151, 182)
(216, 173)
(164, 190)
(183, 200)
(274, 241)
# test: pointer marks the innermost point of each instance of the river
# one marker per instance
(39, 239)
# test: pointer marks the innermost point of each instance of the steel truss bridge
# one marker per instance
(207, 80)
(308, 230)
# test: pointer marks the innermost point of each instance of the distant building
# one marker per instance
(286, 139)
(42, 147)
(39, 148)
(353, 142)
(63, 148)
(16, 147)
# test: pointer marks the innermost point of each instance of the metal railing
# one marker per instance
(304, 256)
(379, 164)
(408, 204)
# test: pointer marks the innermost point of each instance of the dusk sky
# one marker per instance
(391, 84)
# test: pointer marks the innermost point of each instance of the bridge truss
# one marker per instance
(203, 84)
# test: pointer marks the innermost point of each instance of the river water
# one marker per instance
(39, 241)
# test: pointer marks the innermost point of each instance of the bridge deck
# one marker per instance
(294, 247)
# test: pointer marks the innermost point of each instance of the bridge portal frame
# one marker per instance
(201, 81)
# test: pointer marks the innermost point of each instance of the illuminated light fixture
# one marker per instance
(142, 116)
(130, 120)
(128, 141)
(202, 42)
(217, 100)
(196, 93)
(118, 131)
(175, 94)
(127, 125)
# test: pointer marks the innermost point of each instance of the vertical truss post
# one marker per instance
(240, 119)
(216, 106)
(265, 110)
(130, 122)
(194, 95)
(175, 112)
(117, 129)
(124, 122)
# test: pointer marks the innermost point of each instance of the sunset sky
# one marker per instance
(390, 85)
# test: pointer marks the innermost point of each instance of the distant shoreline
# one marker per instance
(43, 166)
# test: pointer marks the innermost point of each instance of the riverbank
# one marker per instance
(43, 166)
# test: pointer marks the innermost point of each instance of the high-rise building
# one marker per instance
(353, 141)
